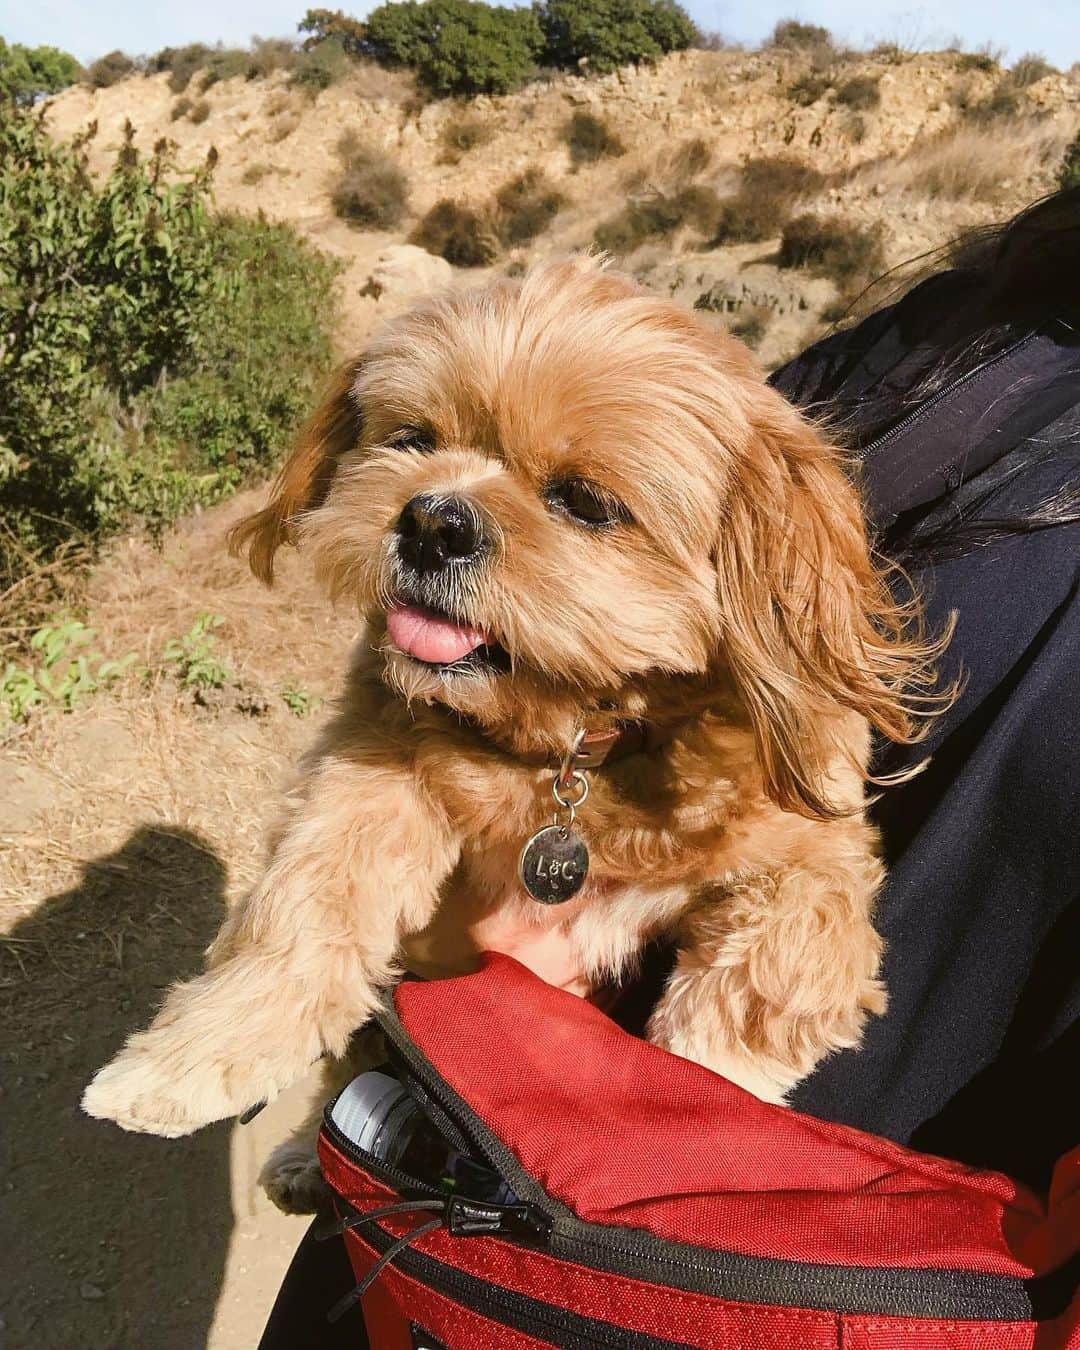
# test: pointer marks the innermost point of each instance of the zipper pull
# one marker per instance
(474, 1218)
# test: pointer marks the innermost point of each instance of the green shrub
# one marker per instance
(791, 35)
(462, 235)
(525, 207)
(372, 192)
(590, 138)
(456, 46)
(28, 73)
(1069, 173)
(319, 67)
(109, 69)
(1029, 69)
(462, 134)
(860, 93)
(762, 206)
(226, 63)
(832, 247)
(181, 63)
(601, 35)
(154, 354)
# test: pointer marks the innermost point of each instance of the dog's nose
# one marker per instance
(434, 531)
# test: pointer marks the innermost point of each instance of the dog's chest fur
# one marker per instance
(659, 828)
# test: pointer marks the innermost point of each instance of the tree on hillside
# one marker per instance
(456, 46)
(331, 25)
(601, 35)
(28, 73)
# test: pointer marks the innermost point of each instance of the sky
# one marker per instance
(90, 29)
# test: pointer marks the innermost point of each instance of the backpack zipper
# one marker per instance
(923, 1292)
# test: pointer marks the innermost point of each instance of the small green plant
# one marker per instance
(461, 234)
(590, 138)
(372, 192)
(64, 674)
(193, 657)
(299, 701)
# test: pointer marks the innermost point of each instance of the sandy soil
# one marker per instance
(126, 828)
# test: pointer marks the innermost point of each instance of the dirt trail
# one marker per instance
(126, 827)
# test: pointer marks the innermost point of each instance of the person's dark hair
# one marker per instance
(980, 294)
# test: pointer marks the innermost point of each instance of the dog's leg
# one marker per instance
(779, 968)
(291, 1176)
(300, 965)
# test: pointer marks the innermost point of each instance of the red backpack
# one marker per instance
(648, 1203)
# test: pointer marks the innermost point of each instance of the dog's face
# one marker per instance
(554, 494)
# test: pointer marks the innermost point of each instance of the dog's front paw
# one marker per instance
(291, 1177)
(149, 1089)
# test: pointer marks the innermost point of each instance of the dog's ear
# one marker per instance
(809, 624)
(304, 479)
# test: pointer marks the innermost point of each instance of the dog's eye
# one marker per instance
(586, 502)
(412, 438)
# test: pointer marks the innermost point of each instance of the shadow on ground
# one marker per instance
(108, 1240)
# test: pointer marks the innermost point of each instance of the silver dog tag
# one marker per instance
(554, 864)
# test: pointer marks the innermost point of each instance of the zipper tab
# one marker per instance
(475, 1218)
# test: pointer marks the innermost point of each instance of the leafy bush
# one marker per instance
(28, 73)
(860, 93)
(791, 35)
(525, 206)
(456, 46)
(462, 134)
(109, 69)
(832, 247)
(153, 354)
(462, 235)
(1069, 173)
(590, 138)
(601, 35)
(319, 67)
(61, 671)
(1029, 69)
(762, 206)
(181, 63)
(372, 192)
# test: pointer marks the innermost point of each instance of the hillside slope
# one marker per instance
(925, 162)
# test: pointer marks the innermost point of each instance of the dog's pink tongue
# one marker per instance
(428, 637)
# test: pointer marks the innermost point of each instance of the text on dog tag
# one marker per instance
(554, 864)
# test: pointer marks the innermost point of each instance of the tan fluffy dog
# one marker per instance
(559, 503)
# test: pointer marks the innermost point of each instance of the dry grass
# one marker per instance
(463, 235)
(372, 191)
(461, 134)
(974, 163)
(525, 206)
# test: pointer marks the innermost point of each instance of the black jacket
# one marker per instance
(978, 1055)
